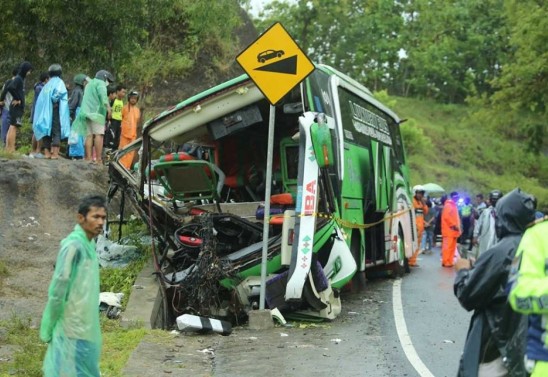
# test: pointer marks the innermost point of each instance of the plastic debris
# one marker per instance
(336, 340)
(112, 254)
(111, 304)
(278, 316)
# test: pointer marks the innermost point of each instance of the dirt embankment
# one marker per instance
(38, 206)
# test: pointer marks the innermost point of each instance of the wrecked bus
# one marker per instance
(340, 203)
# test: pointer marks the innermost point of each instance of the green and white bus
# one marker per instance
(341, 203)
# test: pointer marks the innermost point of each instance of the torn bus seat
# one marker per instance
(189, 180)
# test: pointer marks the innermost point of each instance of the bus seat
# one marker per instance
(188, 180)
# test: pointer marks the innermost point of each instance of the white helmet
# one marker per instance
(418, 188)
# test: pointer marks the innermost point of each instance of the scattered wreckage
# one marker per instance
(199, 183)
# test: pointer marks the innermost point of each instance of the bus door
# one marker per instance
(376, 201)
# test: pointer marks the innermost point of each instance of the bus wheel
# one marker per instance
(401, 266)
(358, 280)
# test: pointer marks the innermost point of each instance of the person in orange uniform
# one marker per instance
(130, 118)
(450, 230)
(421, 209)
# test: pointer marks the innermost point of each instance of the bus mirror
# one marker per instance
(321, 140)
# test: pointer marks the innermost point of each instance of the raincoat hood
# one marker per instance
(514, 211)
(24, 69)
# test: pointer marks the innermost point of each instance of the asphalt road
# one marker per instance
(362, 341)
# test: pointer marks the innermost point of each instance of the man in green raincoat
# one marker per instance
(70, 322)
(91, 119)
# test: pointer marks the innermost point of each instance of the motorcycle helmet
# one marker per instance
(105, 76)
(80, 78)
(494, 196)
(418, 189)
(55, 70)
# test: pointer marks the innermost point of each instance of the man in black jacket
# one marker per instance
(17, 107)
(495, 343)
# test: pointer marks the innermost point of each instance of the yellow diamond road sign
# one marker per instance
(275, 63)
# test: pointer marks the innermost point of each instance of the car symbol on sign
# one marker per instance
(269, 54)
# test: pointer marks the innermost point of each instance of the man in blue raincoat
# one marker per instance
(70, 322)
(51, 122)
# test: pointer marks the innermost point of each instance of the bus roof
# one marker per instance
(221, 99)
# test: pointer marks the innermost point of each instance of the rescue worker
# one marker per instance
(495, 343)
(421, 209)
(529, 293)
(484, 229)
(450, 230)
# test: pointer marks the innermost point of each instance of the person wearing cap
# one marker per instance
(450, 230)
(421, 209)
(51, 122)
(130, 118)
(91, 119)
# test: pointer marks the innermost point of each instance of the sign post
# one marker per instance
(276, 64)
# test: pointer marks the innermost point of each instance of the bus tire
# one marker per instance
(401, 266)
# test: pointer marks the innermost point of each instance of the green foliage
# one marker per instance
(122, 279)
(29, 350)
(415, 139)
(461, 153)
(523, 85)
(118, 344)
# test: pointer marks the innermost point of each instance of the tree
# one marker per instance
(522, 88)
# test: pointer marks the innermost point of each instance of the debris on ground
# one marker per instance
(196, 323)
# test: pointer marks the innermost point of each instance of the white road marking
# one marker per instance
(403, 334)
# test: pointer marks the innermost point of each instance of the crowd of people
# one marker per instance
(92, 118)
(501, 275)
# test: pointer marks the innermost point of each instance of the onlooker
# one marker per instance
(93, 114)
(496, 336)
(484, 230)
(466, 213)
(437, 222)
(428, 238)
(51, 121)
(36, 144)
(130, 119)
(113, 140)
(529, 290)
(480, 205)
(450, 230)
(76, 142)
(17, 107)
(420, 209)
(70, 322)
(5, 102)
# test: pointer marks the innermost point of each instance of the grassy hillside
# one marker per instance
(447, 145)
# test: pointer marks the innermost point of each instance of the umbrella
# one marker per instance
(433, 188)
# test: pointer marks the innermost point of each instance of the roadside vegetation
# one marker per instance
(447, 144)
(21, 337)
